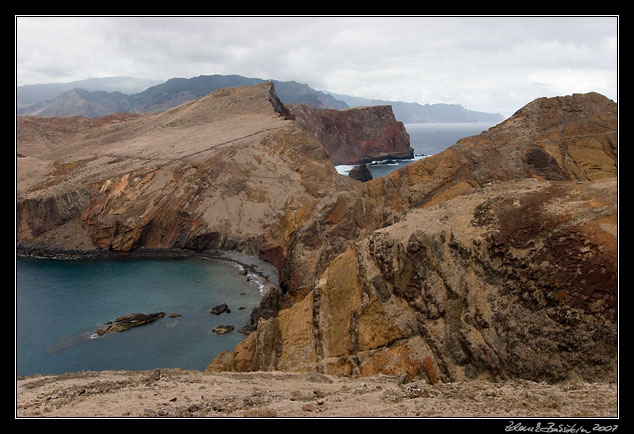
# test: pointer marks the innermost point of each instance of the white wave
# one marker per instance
(344, 169)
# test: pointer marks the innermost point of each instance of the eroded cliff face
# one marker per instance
(357, 135)
(496, 258)
(209, 174)
(576, 137)
(517, 280)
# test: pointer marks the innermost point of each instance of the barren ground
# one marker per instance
(179, 393)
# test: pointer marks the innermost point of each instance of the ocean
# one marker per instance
(426, 139)
(61, 303)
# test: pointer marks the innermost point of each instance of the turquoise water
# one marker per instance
(60, 304)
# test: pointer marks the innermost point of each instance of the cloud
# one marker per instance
(492, 64)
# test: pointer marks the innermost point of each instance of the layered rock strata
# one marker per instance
(496, 258)
(357, 135)
(209, 174)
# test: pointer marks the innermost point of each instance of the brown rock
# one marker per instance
(360, 173)
(221, 308)
(356, 135)
(223, 329)
(121, 185)
(126, 322)
(469, 263)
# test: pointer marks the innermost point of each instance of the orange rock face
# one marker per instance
(493, 259)
(214, 173)
(496, 258)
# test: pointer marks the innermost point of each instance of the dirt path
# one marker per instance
(178, 393)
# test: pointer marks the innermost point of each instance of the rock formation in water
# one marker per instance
(358, 135)
(360, 173)
(126, 322)
(496, 258)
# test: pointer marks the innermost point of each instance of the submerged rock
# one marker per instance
(223, 329)
(220, 309)
(126, 322)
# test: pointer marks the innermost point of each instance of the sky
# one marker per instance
(495, 64)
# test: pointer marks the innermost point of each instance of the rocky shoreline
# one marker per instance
(265, 272)
(262, 274)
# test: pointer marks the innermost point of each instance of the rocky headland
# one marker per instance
(495, 260)
(357, 135)
(214, 173)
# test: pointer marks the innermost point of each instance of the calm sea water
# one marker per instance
(426, 139)
(60, 304)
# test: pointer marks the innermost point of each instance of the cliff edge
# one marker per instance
(494, 259)
(357, 135)
(209, 174)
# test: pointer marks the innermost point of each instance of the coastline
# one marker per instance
(263, 270)
(255, 270)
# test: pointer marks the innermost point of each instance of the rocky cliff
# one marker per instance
(495, 259)
(211, 173)
(358, 135)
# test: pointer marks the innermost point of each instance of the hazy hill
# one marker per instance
(99, 97)
(33, 93)
(410, 113)
(78, 100)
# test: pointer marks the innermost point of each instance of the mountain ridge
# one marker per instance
(177, 90)
(413, 112)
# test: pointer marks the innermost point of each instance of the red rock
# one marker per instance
(356, 135)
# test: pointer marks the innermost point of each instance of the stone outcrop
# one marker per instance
(221, 308)
(213, 173)
(126, 322)
(360, 173)
(356, 135)
(223, 329)
(496, 258)
(577, 136)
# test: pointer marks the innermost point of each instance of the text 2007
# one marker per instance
(606, 428)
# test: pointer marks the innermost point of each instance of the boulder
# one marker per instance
(361, 173)
(223, 329)
(126, 322)
(220, 309)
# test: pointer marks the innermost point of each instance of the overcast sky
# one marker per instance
(491, 64)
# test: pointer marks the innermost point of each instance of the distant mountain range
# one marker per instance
(33, 93)
(411, 112)
(103, 96)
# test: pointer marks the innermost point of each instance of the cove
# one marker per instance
(59, 304)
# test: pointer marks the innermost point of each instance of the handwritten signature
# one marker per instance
(552, 427)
